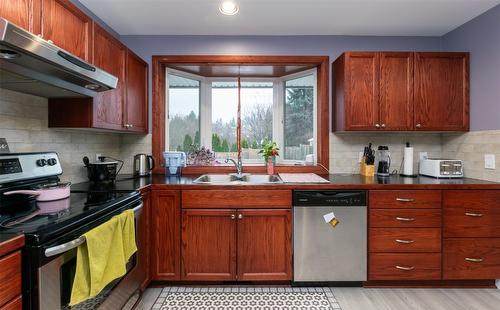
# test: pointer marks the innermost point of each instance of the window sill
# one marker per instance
(257, 169)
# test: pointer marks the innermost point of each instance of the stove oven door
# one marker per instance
(55, 278)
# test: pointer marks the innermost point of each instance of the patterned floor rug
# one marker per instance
(242, 298)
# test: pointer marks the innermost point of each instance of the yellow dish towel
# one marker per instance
(103, 257)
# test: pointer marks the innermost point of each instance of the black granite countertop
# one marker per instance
(126, 183)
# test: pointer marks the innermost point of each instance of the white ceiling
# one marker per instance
(288, 17)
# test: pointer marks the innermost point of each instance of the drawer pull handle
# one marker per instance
(473, 214)
(405, 219)
(405, 241)
(405, 199)
(405, 268)
(474, 260)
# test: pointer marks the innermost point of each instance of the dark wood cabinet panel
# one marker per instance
(18, 12)
(404, 240)
(471, 213)
(209, 245)
(136, 109)
(356, 84)
(469, 258)
(412, 266)
(68, 27)
(264, 245)
(110, 55)
(10, 277)
(166, 228)
(442, 91)
(144, 240)
(405, 218)
(401, 199)
(211, 199)
(396, 91)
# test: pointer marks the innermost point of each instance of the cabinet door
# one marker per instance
(143, 242)
(361, 91)
(17, 12)
(109, 55)
(208, 245)
(264, 245)
(68, 27)
(136, 110)
(166, 228)
(442, 91)
(396, 91)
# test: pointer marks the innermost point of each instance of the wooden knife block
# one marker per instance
(366, 170)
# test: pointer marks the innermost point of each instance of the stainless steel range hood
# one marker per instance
(32, 65)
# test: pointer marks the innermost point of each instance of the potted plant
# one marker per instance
(269, 152)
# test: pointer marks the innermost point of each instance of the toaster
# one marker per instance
(441, 168)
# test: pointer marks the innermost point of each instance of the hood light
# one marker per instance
(92, 86)
(229, 8)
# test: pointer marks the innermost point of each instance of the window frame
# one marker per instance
(279, 98)
(322, 63)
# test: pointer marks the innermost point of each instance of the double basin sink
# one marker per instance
(233, 178)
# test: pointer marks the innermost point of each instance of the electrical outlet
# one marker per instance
(489, 161)
(422, 155)
(97, 155)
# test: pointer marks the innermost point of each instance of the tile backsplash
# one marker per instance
(24, 118)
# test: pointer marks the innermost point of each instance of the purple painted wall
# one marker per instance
(333, 46)
(481, 37)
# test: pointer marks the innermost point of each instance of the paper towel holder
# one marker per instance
(407, 172)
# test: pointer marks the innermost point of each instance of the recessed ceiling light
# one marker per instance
(228, 8)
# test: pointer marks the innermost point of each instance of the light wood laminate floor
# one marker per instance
(396, 299)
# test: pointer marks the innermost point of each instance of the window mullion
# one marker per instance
(278, 114)
(206, 114)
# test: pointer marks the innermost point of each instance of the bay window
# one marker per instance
(202, 112)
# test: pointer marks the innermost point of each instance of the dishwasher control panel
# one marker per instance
(329, 198)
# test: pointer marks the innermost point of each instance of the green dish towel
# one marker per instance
(104, 256)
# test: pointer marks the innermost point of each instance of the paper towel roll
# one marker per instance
(408, 161)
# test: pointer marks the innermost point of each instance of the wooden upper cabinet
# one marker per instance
(442, 91)
(18, 12)
(264, 245)
(356, 91)
(136, 110)
(111, 56)
(396, 91)
(68, 27)
(401, 91)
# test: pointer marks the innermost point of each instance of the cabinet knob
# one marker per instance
(128, 125)
(233, 216)
(383, 125)
(240, 216)
(418, 125)
(377, 125)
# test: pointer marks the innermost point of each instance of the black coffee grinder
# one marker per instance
(384, 161)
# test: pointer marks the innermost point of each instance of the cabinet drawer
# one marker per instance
(404, 267)
(385, 199)
(405, 240)
(471, 258)
(255, 199)
(10, 277)
(471, 213)
(411, 218)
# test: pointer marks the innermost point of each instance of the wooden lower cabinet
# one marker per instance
(166, 228)
(404, 266)
(209, 244)
(264, 245)
(10, 279)
(231, 244)
(405, 240)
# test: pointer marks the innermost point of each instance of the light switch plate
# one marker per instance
(422, 156)
(489, 161)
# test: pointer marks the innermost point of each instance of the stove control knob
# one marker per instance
(41, 162)
(52, 161)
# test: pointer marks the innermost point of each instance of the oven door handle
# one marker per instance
(58, 249)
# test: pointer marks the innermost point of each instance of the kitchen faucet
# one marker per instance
(239, 166)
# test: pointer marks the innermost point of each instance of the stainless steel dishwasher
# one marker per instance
(329, 236)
